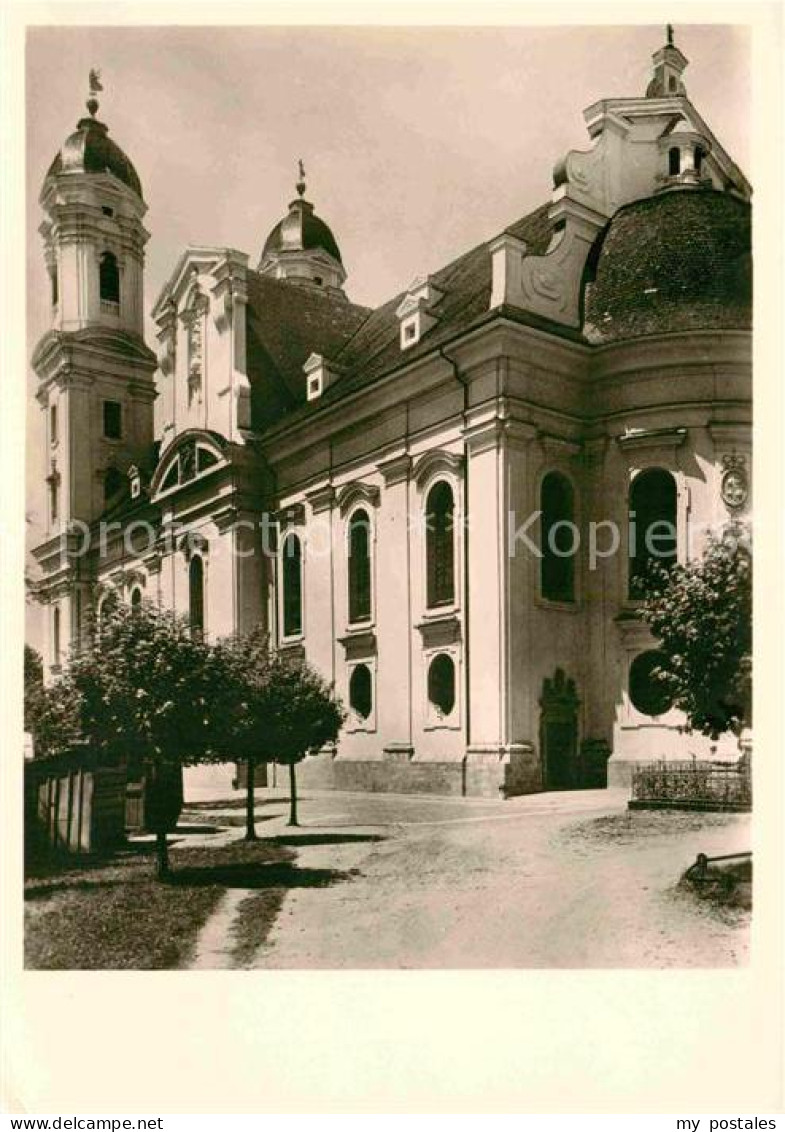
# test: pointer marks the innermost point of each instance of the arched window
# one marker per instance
(674, 161)
(56, 635)
(113, 482)
(649, 696)
(136, 598)
(196, 595)
(557, 565)
(106, 604)
(361, 690)
(441, 683)
(109, 278)
(440, 545)
(292, 577)
(653, 524)
(359, 567)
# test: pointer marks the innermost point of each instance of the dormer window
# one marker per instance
(319, 374)
(415, 313)
(134, 482)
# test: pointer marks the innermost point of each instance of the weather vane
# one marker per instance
(95, 87)
(301, 183)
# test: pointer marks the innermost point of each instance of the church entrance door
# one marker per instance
(559, 733)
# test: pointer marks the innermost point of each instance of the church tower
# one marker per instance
(95, 373)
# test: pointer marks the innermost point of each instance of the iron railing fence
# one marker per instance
(693, 784)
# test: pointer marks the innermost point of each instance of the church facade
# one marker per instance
(443, 503)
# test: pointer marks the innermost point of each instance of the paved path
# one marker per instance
(531, 882)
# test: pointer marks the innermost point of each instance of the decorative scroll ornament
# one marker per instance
(734, 487)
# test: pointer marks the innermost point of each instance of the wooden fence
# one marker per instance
(74, 804)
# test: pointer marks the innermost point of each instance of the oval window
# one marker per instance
(441, 683)
(649, 696)
(360, 691)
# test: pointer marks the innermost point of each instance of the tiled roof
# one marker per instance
(466, 283)
(679, 260)
(286, 323)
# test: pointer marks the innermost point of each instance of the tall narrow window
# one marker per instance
(56, 635)
(54, 498)
(53, 281)
(53, 424)
(359, 567)
(674, 161)
(136, 599)
(557, 565)
(109, 278)
(113, 420)
(698, 159)
(439, 545)
(196, 595)
(292, 577)
(652, 524)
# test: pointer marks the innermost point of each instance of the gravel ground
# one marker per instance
(558, 880)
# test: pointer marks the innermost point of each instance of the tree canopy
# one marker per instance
(702, 614)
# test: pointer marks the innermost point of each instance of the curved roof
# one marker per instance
(301, 230)
(680, 260)
(90, 150)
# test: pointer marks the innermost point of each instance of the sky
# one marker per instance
(418, 143)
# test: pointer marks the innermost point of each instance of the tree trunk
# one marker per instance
(250, 825)
(293, 795)
(162, 856)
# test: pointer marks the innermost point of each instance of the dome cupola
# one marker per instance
(301, 248)
(90, 149)
(669, 263)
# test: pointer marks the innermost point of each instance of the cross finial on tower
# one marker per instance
(669, 33)
(300, 186)
(95, 87)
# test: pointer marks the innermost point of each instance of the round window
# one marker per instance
(441, 683)
(648, 695)
(360, 694)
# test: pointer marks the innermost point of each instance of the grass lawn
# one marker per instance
(113, 914)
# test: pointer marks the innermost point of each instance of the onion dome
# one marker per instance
(301, 247)
(301, 230)
(679, 260)
(90, 150)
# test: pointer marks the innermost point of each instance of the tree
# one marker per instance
(702, 614)
(245, 662)
(33, 685)
(302, 715)
(144, 691)
(281, 710)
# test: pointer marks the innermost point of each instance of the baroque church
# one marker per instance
(434, 502)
